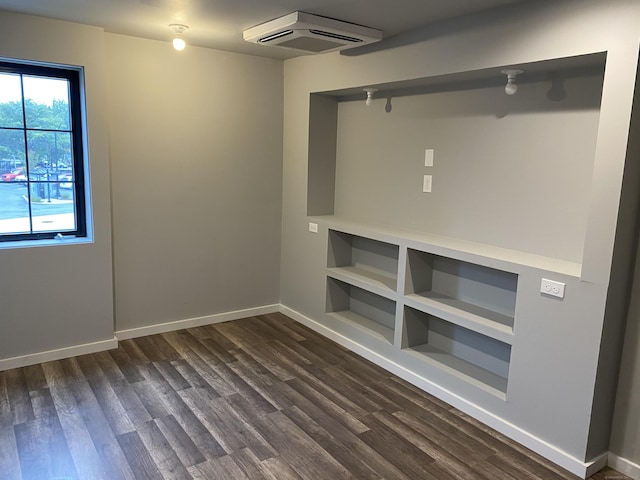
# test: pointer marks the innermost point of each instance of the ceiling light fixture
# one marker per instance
(511, 88)
(370, 92)
(178, 29)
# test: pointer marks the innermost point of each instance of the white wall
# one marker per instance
(61, 296)
(196, 163)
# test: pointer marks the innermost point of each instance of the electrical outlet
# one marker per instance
(313, 227)
(426, 183)
(550, 287)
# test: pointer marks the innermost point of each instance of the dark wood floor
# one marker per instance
(260, 398)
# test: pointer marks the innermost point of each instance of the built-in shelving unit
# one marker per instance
(454, 315)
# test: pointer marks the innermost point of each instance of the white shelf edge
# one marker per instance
(366, 280)
(478, 324)
(354, 228)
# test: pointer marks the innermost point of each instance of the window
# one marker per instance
(41, 153)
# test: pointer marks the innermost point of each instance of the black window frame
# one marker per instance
(76, 129)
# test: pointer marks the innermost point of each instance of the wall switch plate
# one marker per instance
(550, 287)
(426, 183)
(428, 157)
(313, 227)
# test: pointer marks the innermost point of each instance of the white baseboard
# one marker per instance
(597, 464)
(548, 451)
(195, 322)
(625, 466)
(75, 350)
(58, 354)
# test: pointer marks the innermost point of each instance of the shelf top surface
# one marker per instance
(469, 312)
(482, 254)
(368, 276)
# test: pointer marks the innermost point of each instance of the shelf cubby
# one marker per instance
(471, 356)
(477, 297)
(364, 262)
(363, 309)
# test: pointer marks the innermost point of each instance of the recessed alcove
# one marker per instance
(497, 158)
(364, 260)
(475, 358)
(482, 294)
(360, 308)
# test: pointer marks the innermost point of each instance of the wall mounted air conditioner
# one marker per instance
(311, 33)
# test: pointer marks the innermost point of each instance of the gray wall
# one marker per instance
(60, 296)
(625, 436)
(557, 346)
(498, 159)
(194, 141)
(196, 163)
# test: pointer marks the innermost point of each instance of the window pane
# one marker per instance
(12, 150)
(41, 161)
(47, 103)
(14, 208)
(10, 101)
(53, 207)
(49, 154)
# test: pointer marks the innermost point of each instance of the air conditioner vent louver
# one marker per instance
(275, 36)
(311, 33)
(337, 36)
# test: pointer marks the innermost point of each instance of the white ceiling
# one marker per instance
(219, 23)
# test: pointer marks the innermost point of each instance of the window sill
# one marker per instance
(49, 242)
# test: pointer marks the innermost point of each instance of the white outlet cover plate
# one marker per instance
(428, 157)
(313, 227)
(426, 183)
(552, 288)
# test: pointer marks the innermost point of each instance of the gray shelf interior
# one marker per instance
(475, 289)
(364, 258)
(361, 308)
(473, 356)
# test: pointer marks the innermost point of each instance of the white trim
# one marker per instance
(76, 350)
(596, 464)
(58, 354)
(548, 451)
(195, 322)
(621, 464)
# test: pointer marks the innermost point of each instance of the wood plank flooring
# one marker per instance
(262, 398)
